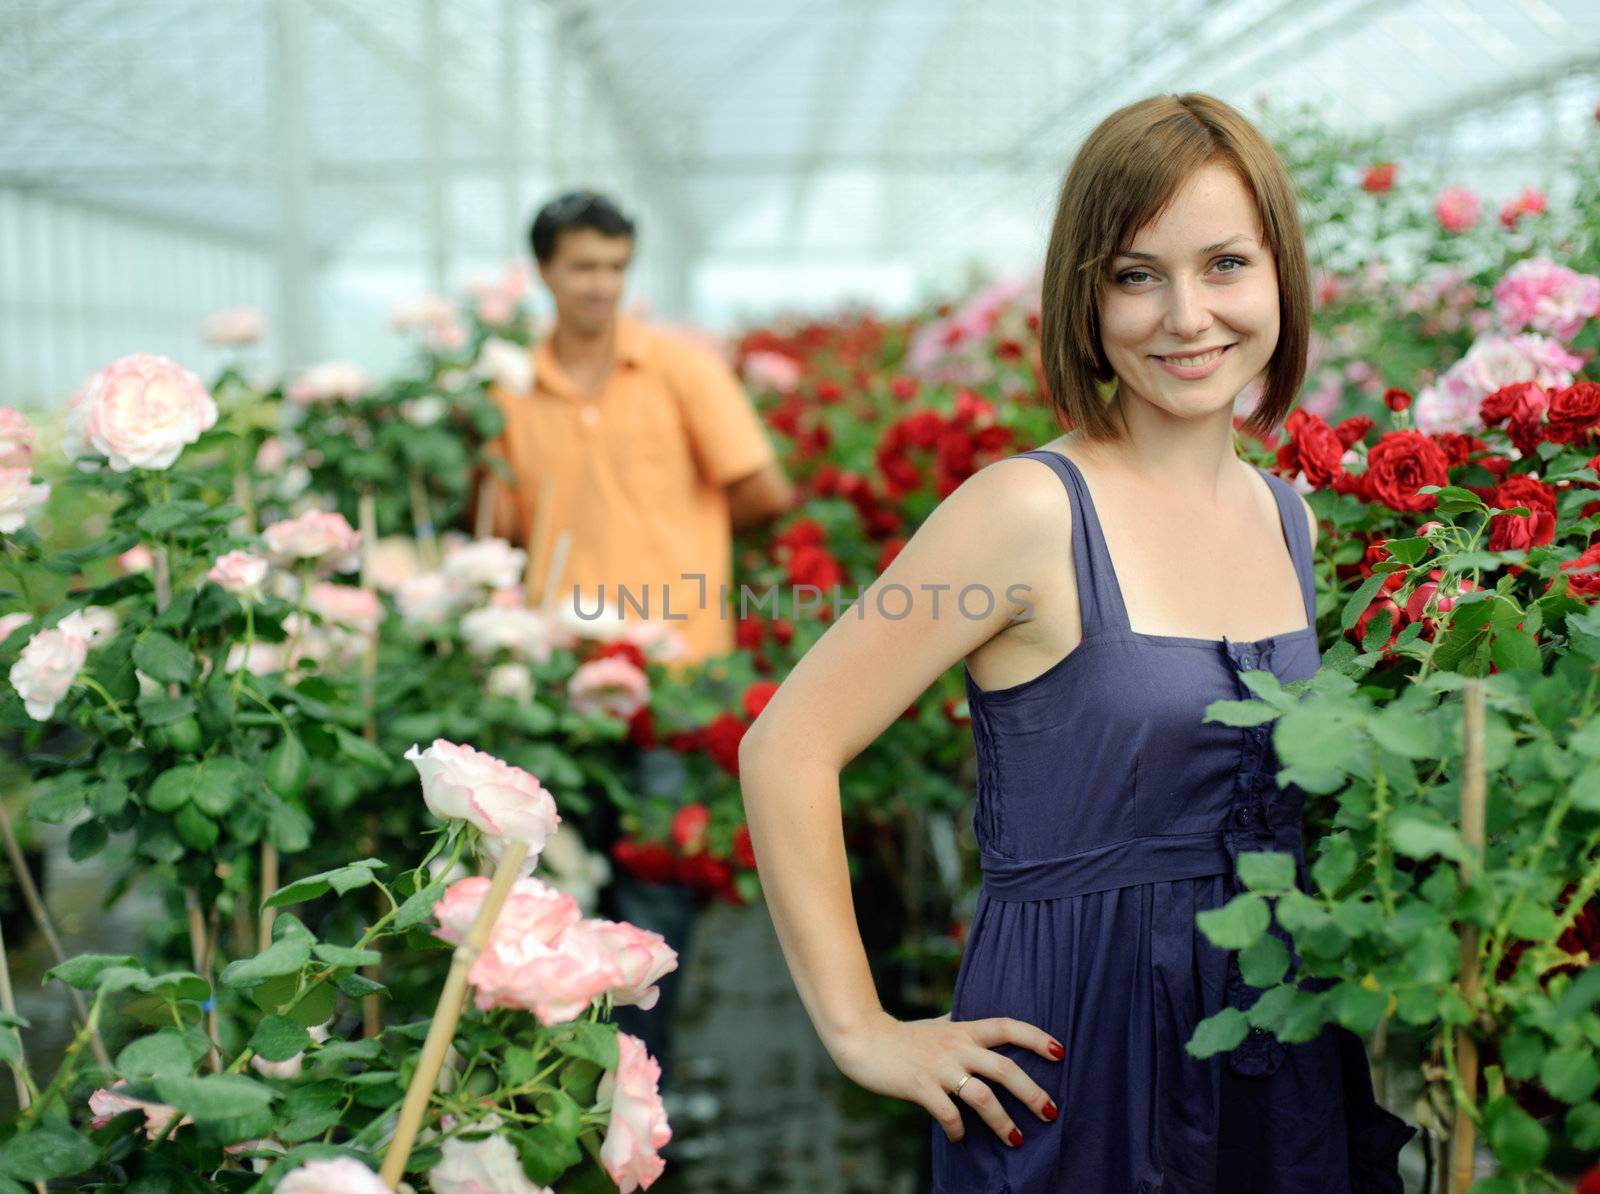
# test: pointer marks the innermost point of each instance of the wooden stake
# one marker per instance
(200, 951)
(422, 522)
(446, 1016)
(269, 884)
(552, 576)
(488, 495)
(1473, 801)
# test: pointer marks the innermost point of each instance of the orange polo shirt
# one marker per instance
(638, 475)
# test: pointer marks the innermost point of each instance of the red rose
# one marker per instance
(972, 408)
(706, 873)
(651, 862)
(748, 633)
(1574, 413)
(805, 532)
(1353, 430)
(744, 854)
(1396, 399)
(1379, 177)
(757, 696)
(1519, 532)
(783, 631)
(1458, 448)
(903, 388)
(829, 392)
(815, 566)
(689, 826)
(1379, 605)
(1593, 465)
(1008, 350)
(1521, 401)
(1313, 448)
(720, 740)
(1401, 463)
(1589, 1183)
(1583, 573)
(1377, 553)
(621, 650)
(642, 729)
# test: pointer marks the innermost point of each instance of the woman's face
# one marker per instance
(1189, 309)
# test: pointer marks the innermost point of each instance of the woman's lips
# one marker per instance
(1212, 361)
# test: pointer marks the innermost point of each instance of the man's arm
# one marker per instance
(761, 496)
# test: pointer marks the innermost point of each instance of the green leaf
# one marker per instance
(163, 711)
(83, 971)
(45, 1153)
(278, 1038)
(341, 879)
(285, 956)
(309, 1110)
(418, 907)
(1409, 733)
(1570, 1074)
(1583, 1126)
(1218, 1033)
(359, 750)
(1357, 1008)
(1264, 963)
(288, 827)
(1357, 605)
(1269, 871)
(1335, 864)
(590, 1041)
(341, 955)
(195, 829)
(1418, 838)
(1515, 651)
(546, 1154)
(1515, 1136)
(1237, 924)
(86, 840)
(164, 1054)
(215, 1096)
(1582, 995)
(163, 658)
(1585, 790)
(1240, 713)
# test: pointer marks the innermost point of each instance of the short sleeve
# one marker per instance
(726, 434)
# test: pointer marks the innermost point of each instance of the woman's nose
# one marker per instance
(1187, 315)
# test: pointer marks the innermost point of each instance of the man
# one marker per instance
(649, 453)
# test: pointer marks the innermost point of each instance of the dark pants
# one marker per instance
(668, 909)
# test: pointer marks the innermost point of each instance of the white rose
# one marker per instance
(491, 563)
(46, 669)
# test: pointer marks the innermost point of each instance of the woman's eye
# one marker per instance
(1133, 276)
(1239, 262)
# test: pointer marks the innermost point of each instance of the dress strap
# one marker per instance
(1099, 596)
(1293, 517)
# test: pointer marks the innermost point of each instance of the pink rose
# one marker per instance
(45, 670)
(1547, 297)
(141, 411)
(501, 800)
(240, 573)
(1454, 401)
(641, 955)
(1529, 203)
(1457, 209)
(315, 535)
(16, 439)
(638, 1128)
(489, 563)
(107, 1105)
(430, 599)
(488, 1165)
(533, 911)
(777, 371)
(237, 326)
(610, 686)
(346, 606)
(11, 622)
(271, 457)
(341, 1175)
(137, 558)
(18, 495)
(331, 381)
(416, 313)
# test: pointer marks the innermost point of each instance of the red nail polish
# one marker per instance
(1057, 1051)
(1050, 1111)
(1015, 1137)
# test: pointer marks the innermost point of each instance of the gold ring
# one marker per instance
(960, 1084)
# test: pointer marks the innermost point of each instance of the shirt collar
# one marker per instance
(630, 345)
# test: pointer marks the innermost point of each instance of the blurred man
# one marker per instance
(649, 453)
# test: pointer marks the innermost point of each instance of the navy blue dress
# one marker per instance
(1108, 814)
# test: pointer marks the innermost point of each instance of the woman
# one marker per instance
(1138, 568)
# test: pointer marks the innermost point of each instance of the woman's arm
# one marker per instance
(986, 537)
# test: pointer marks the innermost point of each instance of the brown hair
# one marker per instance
(1122, 178)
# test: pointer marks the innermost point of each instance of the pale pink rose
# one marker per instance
(533, 911)
(234, 325)
(507, 365)
(271, 456)
(1529, 203)
(638, 1128)
(18, 495)
(346, 606)
(523, 632)
(137, 558)
(641, 955)
(772, 371)
(415, 314)
(316, 535)
(496, 310)
(11, 622)
(141, 411)
(1456, 209)
(94, 624)
(331, 381)
(392, 562)
(288, 1070)
(16, 439)
(1547, 297)
(240, 573)
(106, 1105)
(424, 411)
(1453, 402)
(610, 686)
(259, 659)
(510, 597)
(491, 563)
(487, 1165)
(510, 680)
(340, 1175)
(430, 599)
(557, 983)
(501, 800)
(497, 298)
(658, 639)
(446, 335)
(46, 668)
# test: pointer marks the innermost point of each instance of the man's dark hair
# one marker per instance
(572, 211)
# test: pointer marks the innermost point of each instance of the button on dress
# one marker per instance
(1108, 814)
